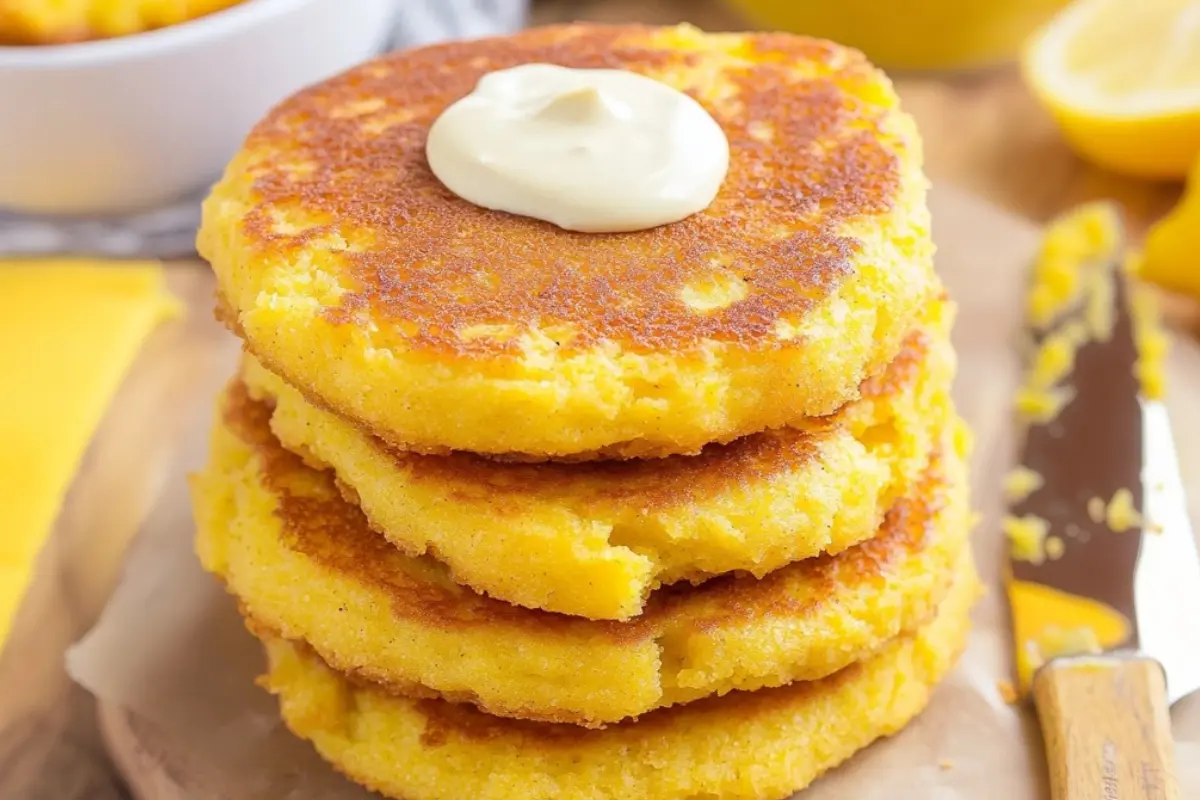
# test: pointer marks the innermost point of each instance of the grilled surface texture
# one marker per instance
(357, 277)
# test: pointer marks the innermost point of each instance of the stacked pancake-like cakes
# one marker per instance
(521, 512)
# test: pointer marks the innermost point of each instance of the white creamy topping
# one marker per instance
(593, 150)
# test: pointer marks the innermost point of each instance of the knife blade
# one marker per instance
(1103, 579)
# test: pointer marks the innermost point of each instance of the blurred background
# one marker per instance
(115, 116)
(106, 146)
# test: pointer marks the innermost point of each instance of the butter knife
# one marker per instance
(1103, 579)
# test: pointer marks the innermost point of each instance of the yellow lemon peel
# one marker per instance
(1123, 83)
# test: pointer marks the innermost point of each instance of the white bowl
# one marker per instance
(124, 124)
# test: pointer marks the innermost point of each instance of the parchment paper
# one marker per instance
(170, 647)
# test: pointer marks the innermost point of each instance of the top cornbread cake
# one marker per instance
(435, 324)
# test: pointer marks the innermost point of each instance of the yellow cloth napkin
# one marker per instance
(69, 331)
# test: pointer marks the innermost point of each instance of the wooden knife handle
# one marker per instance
(1107, 728)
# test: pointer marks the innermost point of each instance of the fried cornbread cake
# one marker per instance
(37, 22)
(304, 563)
(435, 324)
(594, 539)
(593, 437)
(761, 745)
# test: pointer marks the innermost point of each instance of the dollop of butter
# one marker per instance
(592, 150)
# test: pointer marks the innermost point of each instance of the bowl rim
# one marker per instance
(233, 19)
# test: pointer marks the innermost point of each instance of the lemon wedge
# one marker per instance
(1123, 81)
(1170, 257)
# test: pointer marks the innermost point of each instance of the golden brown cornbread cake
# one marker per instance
(760, 745)
(32, 22)
(304, 563)
(436, 324)
(594, 539)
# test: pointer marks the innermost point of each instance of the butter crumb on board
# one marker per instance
(1149, 335)
(1070, 303)
(1056, 642)
(1026, 537)
(1055, 546)
(1080, 237)
(1040, 405)
(1120, 515)
(1021, 482)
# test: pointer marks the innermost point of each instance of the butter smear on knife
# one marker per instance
(1072, 303)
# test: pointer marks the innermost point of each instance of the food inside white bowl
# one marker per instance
(124, 124)
(50, 22)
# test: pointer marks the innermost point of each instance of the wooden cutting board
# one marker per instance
(982, 256)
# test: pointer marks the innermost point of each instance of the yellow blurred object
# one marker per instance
(1123, 81)
(30, 22)
(1172, 255)
(70, 331)
(911, 34)
(1048, 623)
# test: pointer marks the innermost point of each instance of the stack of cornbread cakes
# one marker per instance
(521, 512)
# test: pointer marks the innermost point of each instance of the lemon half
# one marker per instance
(1123, 81)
